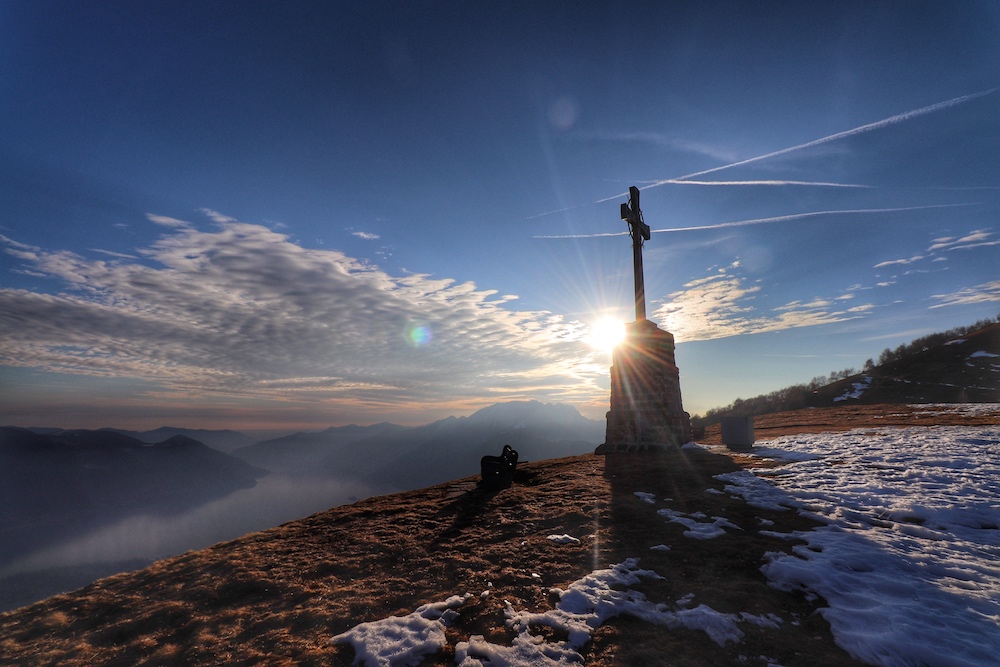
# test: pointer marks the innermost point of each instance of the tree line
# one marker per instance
(801, 396)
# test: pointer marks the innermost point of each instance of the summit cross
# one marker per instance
(639, 231)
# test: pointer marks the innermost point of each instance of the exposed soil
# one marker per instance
(276, 597)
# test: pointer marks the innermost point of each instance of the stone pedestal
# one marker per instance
(646, 411)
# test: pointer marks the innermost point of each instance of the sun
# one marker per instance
(606, 333)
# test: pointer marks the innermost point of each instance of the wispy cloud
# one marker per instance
(764, 221)
(976, 239)
(668, 141)
(970, 295)
(167, 221)
(899, 262)
(722, 305)
(366, 236)
(242, 311)
(110, 253)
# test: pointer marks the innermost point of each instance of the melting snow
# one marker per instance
(701, 530)
(584, 607)
(403, 641)
(910, 559)
(982, 353)
(563, 539)
(858, 388)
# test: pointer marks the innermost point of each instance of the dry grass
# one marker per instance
(275, 597)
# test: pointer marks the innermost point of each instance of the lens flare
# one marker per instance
(419, 336)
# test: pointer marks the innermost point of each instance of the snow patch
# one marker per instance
(403, 641)
(582, 608)
(857, 389)
(909, 561)
(701, 530)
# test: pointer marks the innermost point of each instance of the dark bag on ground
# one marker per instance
(498, 471)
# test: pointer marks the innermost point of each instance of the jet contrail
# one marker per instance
(877, 125)
(771, 182)
(765, 221)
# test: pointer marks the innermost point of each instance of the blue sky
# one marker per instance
(251, 215)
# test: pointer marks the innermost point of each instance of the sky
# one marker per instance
(295, 215)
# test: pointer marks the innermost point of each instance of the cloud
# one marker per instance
(721, 305)
(366, 236)
(984, 293)
(667, 141)
(242, 311)
(975, 239)
(110, 253)
(895, 262)
(167, 221)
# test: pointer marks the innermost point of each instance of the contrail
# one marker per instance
(771, 182)
(877, 125)
(765, 221)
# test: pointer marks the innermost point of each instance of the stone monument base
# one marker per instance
(646, 410)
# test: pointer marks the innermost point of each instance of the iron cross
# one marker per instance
(639, 231)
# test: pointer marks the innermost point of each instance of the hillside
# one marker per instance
(941, 368)
(960, 370)
(278, 596)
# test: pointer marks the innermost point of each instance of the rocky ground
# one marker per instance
(276, 597)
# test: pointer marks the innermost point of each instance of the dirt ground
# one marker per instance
(277, 596)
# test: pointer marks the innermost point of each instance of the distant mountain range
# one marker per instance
(411, 457)
(224, 441)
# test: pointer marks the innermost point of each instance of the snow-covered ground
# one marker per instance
(908, 558)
